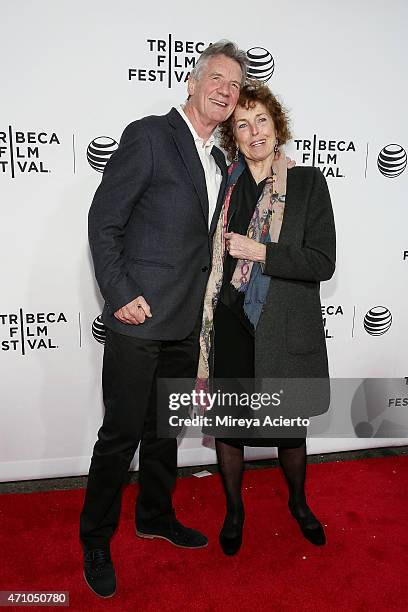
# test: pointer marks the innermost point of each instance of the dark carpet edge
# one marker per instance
(79, 482)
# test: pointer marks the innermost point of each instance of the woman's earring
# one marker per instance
(276, 147)
(236, 154)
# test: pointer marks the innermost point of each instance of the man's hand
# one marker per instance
(135, 312)
(289, 162)
(242, 247)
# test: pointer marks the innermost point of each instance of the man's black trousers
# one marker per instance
(131, 367)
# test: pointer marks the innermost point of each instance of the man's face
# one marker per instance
(215, 95)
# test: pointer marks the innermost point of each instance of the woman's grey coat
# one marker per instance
(290, 339)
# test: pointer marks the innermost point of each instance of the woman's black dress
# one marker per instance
(233, 333)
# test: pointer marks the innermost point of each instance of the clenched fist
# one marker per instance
(135, 312)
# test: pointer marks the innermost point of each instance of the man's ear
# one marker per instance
(191, 85)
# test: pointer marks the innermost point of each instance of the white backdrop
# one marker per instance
(74, 73)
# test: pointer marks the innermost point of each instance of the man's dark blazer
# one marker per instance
(148, 227)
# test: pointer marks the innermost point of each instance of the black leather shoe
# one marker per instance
(310, 526)
(175, 533)
(99, 572)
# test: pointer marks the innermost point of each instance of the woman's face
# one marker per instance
(254, 132)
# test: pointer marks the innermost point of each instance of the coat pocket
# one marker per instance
(150, 263)
(304, 330)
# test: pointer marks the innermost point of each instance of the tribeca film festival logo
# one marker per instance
(29, 331)
(25, 152)
(392, 160)
(173, 60)
(329, 315)
(324, 154)
(377, 321)
(99, 330)
(99, 152)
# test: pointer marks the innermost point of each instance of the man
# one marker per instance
(150, 228)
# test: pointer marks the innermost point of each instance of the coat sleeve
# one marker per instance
(127, 175)
(315, 260)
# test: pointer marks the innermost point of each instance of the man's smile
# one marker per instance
(218, 102)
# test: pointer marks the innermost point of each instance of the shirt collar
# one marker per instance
(205, 145)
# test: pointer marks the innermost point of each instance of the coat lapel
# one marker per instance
(188, 153)
(292, 225)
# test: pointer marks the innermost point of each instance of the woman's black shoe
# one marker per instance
(231, 544)
(311, 528)
(231, 537)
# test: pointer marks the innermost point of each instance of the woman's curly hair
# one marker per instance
(252, 92)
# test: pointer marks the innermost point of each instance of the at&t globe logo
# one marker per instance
(377, 321)
(99, 330)
(99, 152)
(261, 64)
(392, 160)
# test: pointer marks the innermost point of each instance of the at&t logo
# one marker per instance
(377, 321)
(261, 64)
(99, 330)
(392, 160)
(99, 152)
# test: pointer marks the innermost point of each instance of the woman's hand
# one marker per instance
(242, 247)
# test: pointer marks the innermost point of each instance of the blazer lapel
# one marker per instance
(188, 153)
(220, 161)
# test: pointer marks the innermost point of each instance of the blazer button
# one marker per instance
(204, 269)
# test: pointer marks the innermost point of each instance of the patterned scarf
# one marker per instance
(264, 226)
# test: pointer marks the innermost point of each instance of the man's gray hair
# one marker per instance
(222, 47)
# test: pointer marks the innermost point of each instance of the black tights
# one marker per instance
(231, 466)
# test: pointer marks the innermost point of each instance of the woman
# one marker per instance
(273, 245)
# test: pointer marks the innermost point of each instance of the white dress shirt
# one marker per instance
(213, 176)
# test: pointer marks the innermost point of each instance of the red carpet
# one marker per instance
(363, 567)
